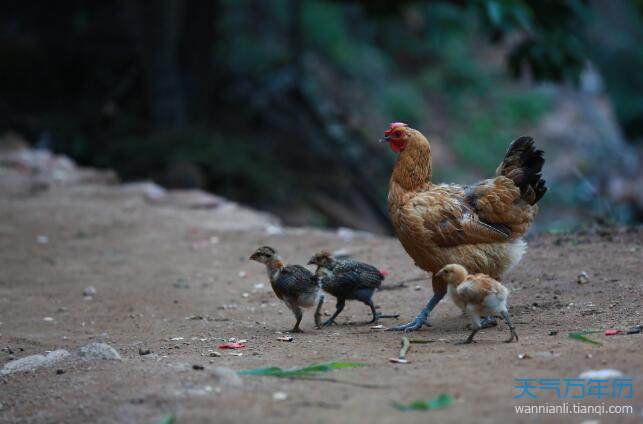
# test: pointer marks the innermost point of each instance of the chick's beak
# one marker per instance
(311, 261)
(253, 257)
(439, 274)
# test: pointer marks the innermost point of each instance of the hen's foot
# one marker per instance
(416, 324)
(296, 330)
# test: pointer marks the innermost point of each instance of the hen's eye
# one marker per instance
(398, 133)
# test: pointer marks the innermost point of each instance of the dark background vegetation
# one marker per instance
(279, 104)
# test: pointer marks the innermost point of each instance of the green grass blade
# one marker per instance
(441, 401)
(303, 371)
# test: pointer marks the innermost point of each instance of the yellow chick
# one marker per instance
(478, 295)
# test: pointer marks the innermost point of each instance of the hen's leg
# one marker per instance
(339, 308)
(421, 318)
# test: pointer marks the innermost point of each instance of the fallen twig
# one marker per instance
(401, 359)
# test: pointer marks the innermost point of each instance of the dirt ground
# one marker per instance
(154, 266)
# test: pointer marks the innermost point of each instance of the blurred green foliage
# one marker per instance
(294, 94)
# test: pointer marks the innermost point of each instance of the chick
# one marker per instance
(478, 295)
(293, 284)
(348, 280)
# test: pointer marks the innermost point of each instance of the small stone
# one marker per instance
(417, 288)
(553, 333)
(582, 278)
(279, 396)
(101, 351)
(48, 319)
(89, 291)
(601, 374)
(42, 239)
(144, 351)
(214, 354)
(60, 371)
(198, 367)
(29, 363)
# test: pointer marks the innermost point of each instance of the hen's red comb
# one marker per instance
(395, 125)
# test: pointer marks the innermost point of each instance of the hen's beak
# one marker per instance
(385, 139)
(312, 262)
(439, 274)
(253, 257)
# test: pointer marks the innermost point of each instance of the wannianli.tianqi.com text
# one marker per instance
(574, 408)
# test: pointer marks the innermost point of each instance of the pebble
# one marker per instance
(601, 374)
(31, 362)
(279, 396)
(89, 291)
(101, 351)
(582, 278)
(198, 367)
(144, 351)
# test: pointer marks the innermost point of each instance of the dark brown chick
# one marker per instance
(347, 280)
(293, 284)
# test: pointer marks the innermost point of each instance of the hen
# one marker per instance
(293, 284)
(477, 226)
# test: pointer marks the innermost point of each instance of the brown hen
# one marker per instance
(477, 226)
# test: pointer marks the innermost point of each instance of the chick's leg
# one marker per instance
(296, 310)
(338, 309)
(378, 315)
(476, 325)
(318, 322)
(505, 316)
(421, 318)
(488, 322)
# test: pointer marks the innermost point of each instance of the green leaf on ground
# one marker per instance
(303, 371)
(441, 401)
(583, 338)
(168, 419)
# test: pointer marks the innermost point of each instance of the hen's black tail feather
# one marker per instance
(523, 164)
